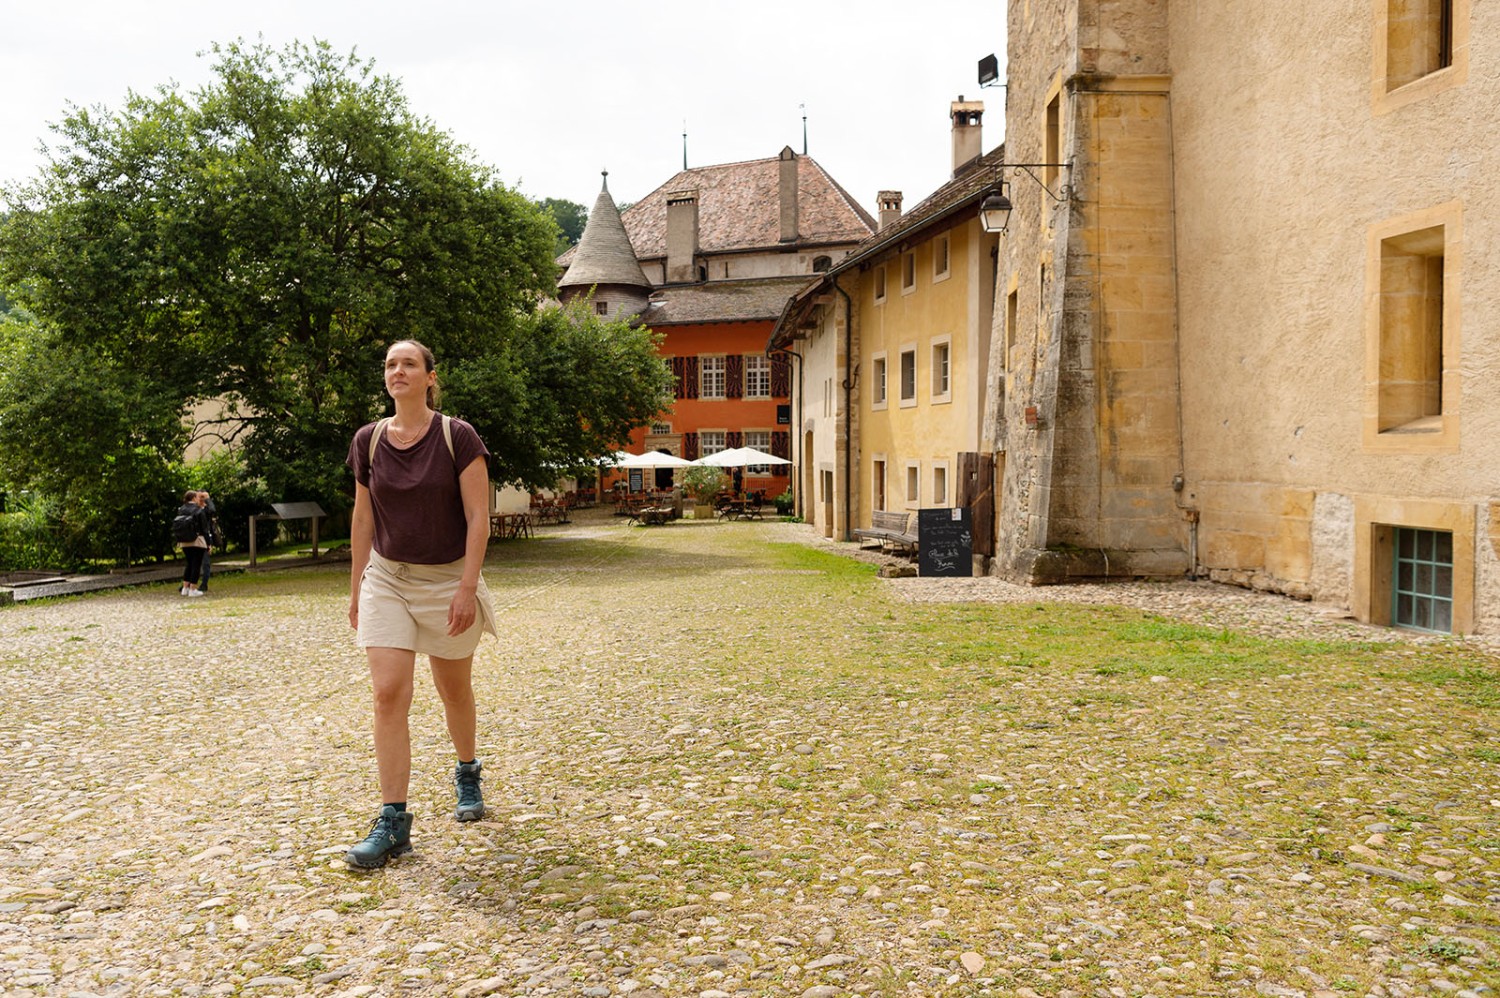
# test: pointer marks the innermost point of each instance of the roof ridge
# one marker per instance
(859, 209)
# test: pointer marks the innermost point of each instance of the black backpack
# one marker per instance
(185, 525)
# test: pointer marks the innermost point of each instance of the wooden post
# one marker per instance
(253, 518)
(315, 536)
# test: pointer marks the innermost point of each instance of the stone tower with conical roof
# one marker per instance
(605, 262)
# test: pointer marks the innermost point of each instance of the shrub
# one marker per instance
(703, 483)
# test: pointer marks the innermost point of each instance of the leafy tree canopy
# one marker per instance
(570, 217)
(260, 241)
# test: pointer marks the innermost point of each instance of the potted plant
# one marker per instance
(785, 502)
(701, 485)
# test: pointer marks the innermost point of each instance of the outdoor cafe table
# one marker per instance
(510, 525)
(654, 516)
(739, 509)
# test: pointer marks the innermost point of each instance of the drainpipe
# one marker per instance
(797, 423)
(848, 386)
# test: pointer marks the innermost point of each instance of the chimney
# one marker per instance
(890, 207)
(966, 144)
(682, 237)
(788, 192)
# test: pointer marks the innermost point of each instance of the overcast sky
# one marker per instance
(550, 93)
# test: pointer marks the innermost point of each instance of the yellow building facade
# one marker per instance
(1246, 307)
(894, 344)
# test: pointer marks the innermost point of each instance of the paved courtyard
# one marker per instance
(724, 759)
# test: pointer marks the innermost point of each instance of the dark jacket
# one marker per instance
(200, 517)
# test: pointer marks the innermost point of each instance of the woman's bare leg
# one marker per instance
(391, 684)
(453, 678)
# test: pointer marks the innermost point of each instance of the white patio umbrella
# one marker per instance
(650, 459)
(739, 457)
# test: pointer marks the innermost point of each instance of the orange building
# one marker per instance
(709, 259)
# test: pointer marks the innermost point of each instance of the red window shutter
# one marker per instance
(781, 378)
(734, 378)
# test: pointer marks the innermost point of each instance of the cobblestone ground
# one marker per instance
(721, 765)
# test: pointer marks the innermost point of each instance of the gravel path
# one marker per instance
(720, 763)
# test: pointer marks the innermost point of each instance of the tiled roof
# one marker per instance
(961, 194)
(721, 301)
(604, 254)
(970, 185)
(739, 208)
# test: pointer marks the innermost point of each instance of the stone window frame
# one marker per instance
(909, 272)
(944, 396)
(1440, 433)
(1375, 520)
(880, 282)
(879, 493)
(879, 381)
(722, 436)
(1385, 97)
(704, 375)
(906, 401)
(757, 359)
(913, 485)
(942, 497)
(940, 275)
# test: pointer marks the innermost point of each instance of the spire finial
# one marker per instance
(684, 144)
(605, 175)
(804, 128)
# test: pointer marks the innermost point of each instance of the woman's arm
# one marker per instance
(474, 487)
(361, 540)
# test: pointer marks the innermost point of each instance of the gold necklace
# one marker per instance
(404, 441)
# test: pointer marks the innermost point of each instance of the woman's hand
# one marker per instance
(461, 611)
(354, 612)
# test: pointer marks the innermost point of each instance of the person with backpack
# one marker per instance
(190, 530)
(417, 541)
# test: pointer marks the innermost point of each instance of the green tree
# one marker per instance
(100, 441)
(570, 217)
(568, 387)
(260, 241)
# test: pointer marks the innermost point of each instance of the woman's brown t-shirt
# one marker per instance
(414, 493)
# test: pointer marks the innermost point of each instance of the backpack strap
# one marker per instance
(375, 437)
(380, 428)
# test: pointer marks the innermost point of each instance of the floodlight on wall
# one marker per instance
(995, 209)
(989, 72)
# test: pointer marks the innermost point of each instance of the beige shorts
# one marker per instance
(406, 606)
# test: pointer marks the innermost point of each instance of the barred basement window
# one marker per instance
(1422, 597)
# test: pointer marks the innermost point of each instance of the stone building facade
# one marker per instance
(1243, 322)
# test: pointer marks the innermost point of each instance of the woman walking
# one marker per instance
(421, 523)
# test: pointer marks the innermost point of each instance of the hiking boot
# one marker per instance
(470, 800)
(390, 836)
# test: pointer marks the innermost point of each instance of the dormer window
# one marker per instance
(822, 264)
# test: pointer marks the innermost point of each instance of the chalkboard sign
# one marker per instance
(637, 480)
(945, 547)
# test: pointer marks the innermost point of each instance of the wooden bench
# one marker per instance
(890, 529)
